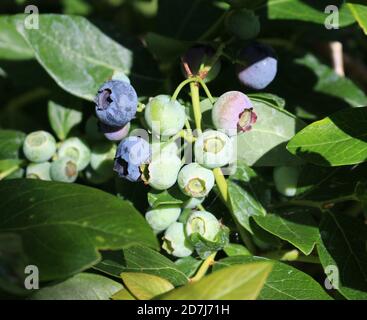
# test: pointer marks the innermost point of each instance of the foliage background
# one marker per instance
(323, 225)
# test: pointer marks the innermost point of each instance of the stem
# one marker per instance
(194, 88)
(322, 205)
(180, 87)
(203, 268)
(292, 255)
(221, 183)
(141, 107)
(200, 207)
(206, 89)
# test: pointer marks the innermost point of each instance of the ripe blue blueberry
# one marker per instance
(131, 156)
(233, 113)
(39, 146)
(116, 103)
(204, 223)
(76, 149)
(213, 149)
(198, 58)
(175, 241)
(162, 217)
(286, 179)
(38, 171)
(258, 67)
(195, 181)
(64, 170)
(164, 116)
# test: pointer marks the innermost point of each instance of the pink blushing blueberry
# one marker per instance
(233, 113)
(114, 133)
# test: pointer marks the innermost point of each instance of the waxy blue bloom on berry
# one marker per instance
(116, 103)
(132, 153)
(259, 66)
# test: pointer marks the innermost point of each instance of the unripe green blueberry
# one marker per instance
(213, 149)
(164, 149)
(39, 146)
(64, 170)
(162, 172)
(163, 116)
(195, 181)
(204, 223)
(74, 148)
(102, 158)
(38, 171)
(192, 203)
(175, 241)
(243, 23)
(286, 179)
(161, 218)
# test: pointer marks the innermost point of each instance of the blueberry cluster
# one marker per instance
(63, 161)
(156, 158)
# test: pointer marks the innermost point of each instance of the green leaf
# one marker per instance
(10, 143)
(145, 286)
(123, 294)
(167, 197)
(343, 245)
(188, 265)
(235, 249)
(9, 166)
(337, 140)
(243, 205)
(143, 259)
(63, 119)
(332, 84)
(12, 44)
(204, 247)
(359, 12)
(77, 55)
(295, 225)
(283, 283)
(82, 286)
(165, 48)
(240, 282)
(63, 225)
(12, 264)
(265, 144)
(246, 191)
(268, 98)
(299, 10)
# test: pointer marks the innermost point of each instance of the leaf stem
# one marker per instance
(209, 261)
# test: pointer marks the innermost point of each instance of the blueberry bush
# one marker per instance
(183, 149)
